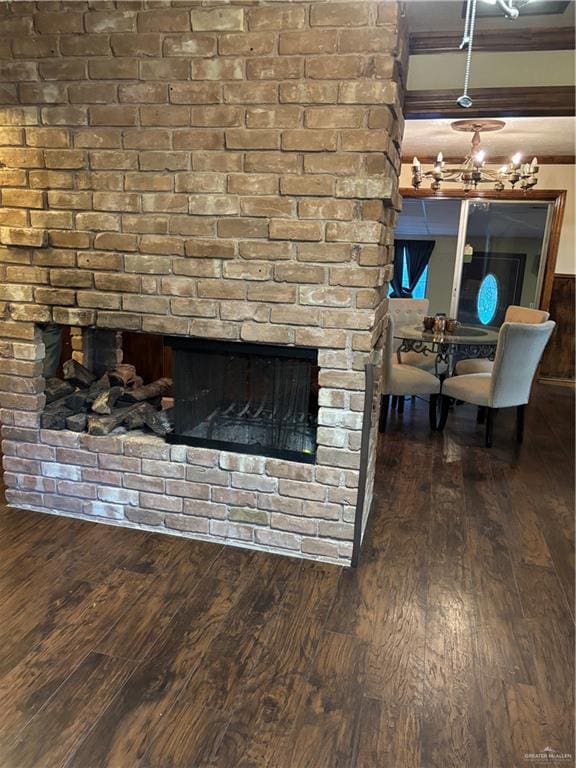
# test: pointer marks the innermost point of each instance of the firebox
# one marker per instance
(253, 398)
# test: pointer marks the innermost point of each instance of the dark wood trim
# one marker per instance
(556, 39)
(545, 160)
(548, 101)
(558, 361)
(552, 252)
(556, 196)
(507, 194)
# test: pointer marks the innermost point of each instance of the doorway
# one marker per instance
(486, 252)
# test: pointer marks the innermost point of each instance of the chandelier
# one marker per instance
(472, 171)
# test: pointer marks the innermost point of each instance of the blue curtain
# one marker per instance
(396, 282)
(417, 254)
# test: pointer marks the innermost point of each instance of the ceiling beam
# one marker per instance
(556, 39)
(541, 101)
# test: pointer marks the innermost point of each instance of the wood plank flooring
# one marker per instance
(451, 646)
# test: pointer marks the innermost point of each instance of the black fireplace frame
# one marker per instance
(218, 347)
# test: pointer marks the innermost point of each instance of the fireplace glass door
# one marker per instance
(251, 398)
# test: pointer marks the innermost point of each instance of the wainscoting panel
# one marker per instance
(558, 361)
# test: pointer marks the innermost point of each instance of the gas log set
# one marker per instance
(118, 400)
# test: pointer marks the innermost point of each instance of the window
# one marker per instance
(487, 299)
(419, 291)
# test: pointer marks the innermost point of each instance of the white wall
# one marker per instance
(441, 274)
(491, 69)
(550, 177)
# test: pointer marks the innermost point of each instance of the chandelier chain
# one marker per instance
(466, 36)
(473, 171)
(472, 4)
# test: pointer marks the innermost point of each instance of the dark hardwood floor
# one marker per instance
(451, 646)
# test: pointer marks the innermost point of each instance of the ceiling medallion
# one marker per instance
(473, 171)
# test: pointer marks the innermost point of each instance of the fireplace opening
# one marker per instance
(90, 387)
(251, 398)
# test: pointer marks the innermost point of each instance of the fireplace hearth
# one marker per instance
(252, 398)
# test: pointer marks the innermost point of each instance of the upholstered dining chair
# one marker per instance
(520, 348)
(514, 314)
(401, 380)
(410, 312)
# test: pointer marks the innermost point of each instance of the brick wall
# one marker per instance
(225, 171)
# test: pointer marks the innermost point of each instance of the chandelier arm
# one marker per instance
(472, 172)
(474, 176)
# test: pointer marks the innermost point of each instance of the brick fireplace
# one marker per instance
(207, 171)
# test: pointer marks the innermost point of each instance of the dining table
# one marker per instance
(467, 341)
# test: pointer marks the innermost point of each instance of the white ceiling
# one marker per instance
(422, 218)
(446, 16)
(540, 136)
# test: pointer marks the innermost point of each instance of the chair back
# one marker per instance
(520, 347)
(407, 312)
(515, 314)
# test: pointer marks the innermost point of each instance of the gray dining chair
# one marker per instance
(410, 312)
(514, 314)
(400, 380)
(520, 348)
